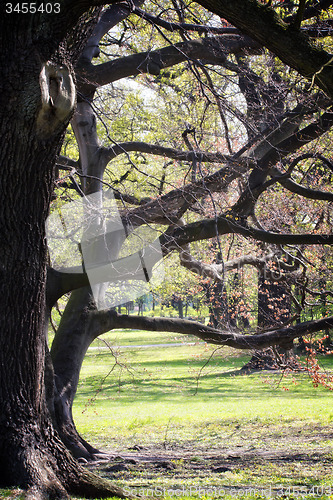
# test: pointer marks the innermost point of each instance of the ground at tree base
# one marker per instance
(254, 461)
(269, 461)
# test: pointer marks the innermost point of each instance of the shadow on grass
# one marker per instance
(171, 380)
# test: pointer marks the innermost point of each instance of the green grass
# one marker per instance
(169, 399)
(155, 389)
(247, 495)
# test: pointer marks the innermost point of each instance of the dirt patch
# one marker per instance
(294, 457)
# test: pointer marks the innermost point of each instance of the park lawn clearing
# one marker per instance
(177, 427)
(172, 422)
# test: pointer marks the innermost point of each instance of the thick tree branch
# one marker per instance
(170, 207)
(213, 50)
(262, 23)
(215, 271)
(293, 187)
(247, 260)
(282, 337)
(198, 267)
(155, 149)
(113, 15)
(229, 223)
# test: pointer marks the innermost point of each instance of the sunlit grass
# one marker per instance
(171, 396)
(172, 390)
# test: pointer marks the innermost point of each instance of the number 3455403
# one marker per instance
(32, 8)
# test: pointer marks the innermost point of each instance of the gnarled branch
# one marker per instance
(263, 24)
(282, 336)
(210, 49)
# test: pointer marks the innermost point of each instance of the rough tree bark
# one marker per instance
(37, 100)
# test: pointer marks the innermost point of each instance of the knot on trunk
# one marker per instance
(57, 98)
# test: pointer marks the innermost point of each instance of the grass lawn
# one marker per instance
(168, 400)
(179, 426)
(172, 388)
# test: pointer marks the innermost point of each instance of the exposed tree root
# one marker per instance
(78, 447)
(72, 480)
(44, 468)
(92, 486)
(78, 481)
(44, 493)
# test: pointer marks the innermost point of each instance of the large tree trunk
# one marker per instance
(37, 99)
(274, 309)
(77, 330)
(75, 333)
(25, 187)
